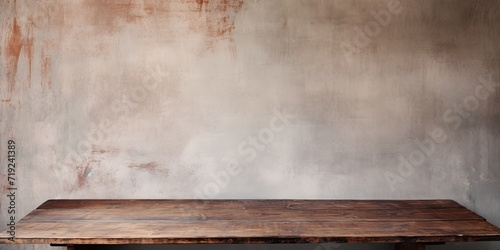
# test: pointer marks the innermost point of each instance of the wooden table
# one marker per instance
(410, 224)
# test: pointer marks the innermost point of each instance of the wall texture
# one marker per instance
(252, 99)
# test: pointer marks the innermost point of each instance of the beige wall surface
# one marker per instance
(359, 99)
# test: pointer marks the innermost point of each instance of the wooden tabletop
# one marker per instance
(70, 222)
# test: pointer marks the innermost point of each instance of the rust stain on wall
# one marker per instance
(82, 175)
(200, 4)
(22, 40)
(6, 185)
(28, 45)
(149, 166)
(46, 66)
(102, 150)
(13, 50)
(84, 171)
(216, 18)
(109, 15)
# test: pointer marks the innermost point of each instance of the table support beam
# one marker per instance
(410, 246)
(80, 247)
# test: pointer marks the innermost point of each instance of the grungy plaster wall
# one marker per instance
(252, 99)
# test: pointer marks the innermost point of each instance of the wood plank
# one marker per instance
(185, 232)
(242, 204)
(263, 208)
(250, 221)
(162, 213)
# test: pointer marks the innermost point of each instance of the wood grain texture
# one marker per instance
(250, 221)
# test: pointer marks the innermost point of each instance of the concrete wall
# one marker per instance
(253, 99)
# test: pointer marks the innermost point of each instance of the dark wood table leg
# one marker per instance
(410, 246)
